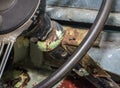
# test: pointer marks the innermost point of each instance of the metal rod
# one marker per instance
(82, 49)
(5, 57)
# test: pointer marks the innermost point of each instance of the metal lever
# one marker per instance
(5, 55)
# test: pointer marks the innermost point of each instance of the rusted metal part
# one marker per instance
(71, 39)
(92, 71)
(97, 76)
(54, 38)
(15, 78)
(101, 82)
(86, 82)
(74, 36)
(93, 68)
(88, 64)
(24, 79)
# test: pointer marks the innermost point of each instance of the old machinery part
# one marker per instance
(82, 49)
(15, 17)
(54, 38)
(43, 26)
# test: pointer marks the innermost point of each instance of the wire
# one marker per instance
(82, 49)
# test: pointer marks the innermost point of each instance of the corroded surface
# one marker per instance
(39, 74)
(74, 36)
(93, 68)
(53, 40)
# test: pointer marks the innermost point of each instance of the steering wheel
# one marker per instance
(11, 25)
(82, 49)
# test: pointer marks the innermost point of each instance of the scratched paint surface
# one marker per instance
(88, 4)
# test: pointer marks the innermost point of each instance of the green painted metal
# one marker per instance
(43, 44)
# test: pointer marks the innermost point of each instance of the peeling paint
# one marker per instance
(53, 39)
(74, 36)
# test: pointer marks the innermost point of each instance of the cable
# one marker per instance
(82, 49)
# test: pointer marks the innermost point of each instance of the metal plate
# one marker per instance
(86, 4)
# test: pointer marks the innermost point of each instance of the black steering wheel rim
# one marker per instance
(82, 49)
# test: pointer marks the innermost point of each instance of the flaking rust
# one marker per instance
(53, 39)
(93, 68)
(71, 40)
(24, 79)
(74, 36)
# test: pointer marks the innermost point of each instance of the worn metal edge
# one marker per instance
(80, 15)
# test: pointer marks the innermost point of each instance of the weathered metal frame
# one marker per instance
(82, 49)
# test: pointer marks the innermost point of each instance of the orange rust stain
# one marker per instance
(73, 36)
